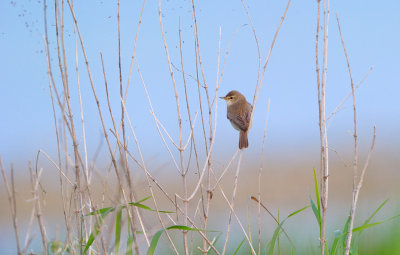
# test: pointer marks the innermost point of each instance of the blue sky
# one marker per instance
(371, 31)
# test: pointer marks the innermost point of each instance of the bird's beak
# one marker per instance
(223, 98)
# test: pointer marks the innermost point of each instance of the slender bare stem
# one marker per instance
(259, 178)
(323, 127)
(35, 178)
(349, 94)
(131, 217)
(356, 184)
(12, 202)
(233, 201)
(231, 207)
(258, 87)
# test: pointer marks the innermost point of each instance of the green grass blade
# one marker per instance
(298, 211)
(103, 211)
(316, 212)
(144, 199)
(317, 196)
(129, 246)
(374, 224)
(316, 207)
(154, 242)
(215, 241)
(240, 245)
(338, 234)
(274, 238)
(367, 221)
(129, 241)
(157, 236)
(93, 235)
(118, 230)
(279, 227)
(344, 233)
(137, 204)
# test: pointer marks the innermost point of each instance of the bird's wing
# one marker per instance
(241, 120)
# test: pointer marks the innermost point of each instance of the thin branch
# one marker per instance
(12, 202)
(259, 177)
(334, 112)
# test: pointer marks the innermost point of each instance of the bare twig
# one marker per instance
(349, 94)
(147, 176)
(356, 184)
(275, 219)
(35, 178)
(12, 202)
(259, 178)
(322, 121)
(258, 87)
(131, 218)
(232, 202)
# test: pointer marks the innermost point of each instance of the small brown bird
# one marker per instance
(239, 113)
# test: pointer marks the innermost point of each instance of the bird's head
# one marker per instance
(232, 97)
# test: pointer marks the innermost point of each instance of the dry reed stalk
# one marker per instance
(12, 202)
(338, 107)
(258, 87)
(248, 238)
(260, 77)
(46, 43)
(169, 197)
(199, 63)
(131, 217)
(59, 166)
(35, 183)
(147, 177)
(321, 85)
(233, 202)
(190, 123)
(259, 177)
(78, 200)
(356, 184)
(155, 180)
(28, 237)
(321, 120)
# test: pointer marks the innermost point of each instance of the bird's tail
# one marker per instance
(243, 141)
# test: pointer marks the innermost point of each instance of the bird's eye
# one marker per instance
(231, 98)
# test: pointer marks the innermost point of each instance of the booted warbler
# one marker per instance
(238, 113)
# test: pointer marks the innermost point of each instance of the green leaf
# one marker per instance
(277, 230)
(374, 224)
(298, 211)
(344, 233)
(316, 212)
(316, 207)
(338, 234)
(129, 241)
(144, 199)
(118, 230)
(93, 235)
(366, 222)
(137, 204)
(240, 245)
(154, 242)
(157, 236)
(103, 211)
(215, 241)
(317, 196)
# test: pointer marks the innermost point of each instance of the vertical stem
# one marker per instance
(233, 201)
(259, 179)
(35, 179)
(323, 126)
(183, 173)
(12, 202)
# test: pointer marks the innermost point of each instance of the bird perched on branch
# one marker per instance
(239, 113)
